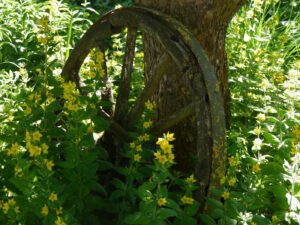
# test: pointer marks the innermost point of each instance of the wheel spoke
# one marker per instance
(149, 90)
(115, 128)
(106, 94)
(124, 88)
(175, 118)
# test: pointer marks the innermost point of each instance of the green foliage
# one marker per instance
(54, 170)
(264, 137)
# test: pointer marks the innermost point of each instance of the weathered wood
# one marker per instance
(150, 88)
(124, 87)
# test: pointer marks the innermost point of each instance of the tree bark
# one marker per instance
(208, 21)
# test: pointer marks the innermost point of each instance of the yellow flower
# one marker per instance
(232, 161)
(90, 129)
(59, 221)
(232, 181)
(170, 136)
(44, 148)
(43, 39)
(53, 197)
(161, 158)
(71, 106)
(191, 179)
(59, 211)
(261, 117)
(93, 106)
(147, 124)
(187, 200)
(49, 164)
(92, 74)
(45, 210)
(44, 22)
(294, 150)
(137, 157)
(138, 148)
(162, 202)
(256, 168)
(14, 150)
(34, 150)
(257, 130)
(11, 202)
(296, 131)
(146, 137)
(36, 136)
(171, 157)
(132, 145)
(149, 105)
(222, 180)
(166, 147)
(27, 110)
(253, 223)
(275, 219)
(225, 195)
(5, 208)
(17, 209)
(27, 137)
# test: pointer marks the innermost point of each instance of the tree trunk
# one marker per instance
(208, 21)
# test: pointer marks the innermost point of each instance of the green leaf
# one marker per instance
(191, 210)
(21, 185)
(270, 138)
(137, 218)
(145, 189)
(217, 213)
(228, 221)
(165, 213)
(214, 203)
(261, 220)
(118, 184)
(207, 219)
(100, 124)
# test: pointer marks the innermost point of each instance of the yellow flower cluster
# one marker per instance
(295, 140)
(94, 64)
(34, 97)
(137, 147)
(14, 150)
(187, 200)
(33, 144)
(165, 154)
(145, 137)
(10, 204)
(69, 94)
(150, 105)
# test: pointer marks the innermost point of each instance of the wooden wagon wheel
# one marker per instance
(184, 50)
